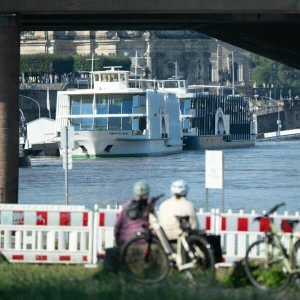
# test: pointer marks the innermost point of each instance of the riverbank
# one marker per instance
(19, 281)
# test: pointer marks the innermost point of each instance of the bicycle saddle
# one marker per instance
(184, 222)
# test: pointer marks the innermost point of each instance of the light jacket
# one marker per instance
(176, 207)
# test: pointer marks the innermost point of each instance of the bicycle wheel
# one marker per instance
(203, 273)
(144, 259)
(297, 262)
(265, 268)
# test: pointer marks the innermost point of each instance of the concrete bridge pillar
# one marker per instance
(9, 107)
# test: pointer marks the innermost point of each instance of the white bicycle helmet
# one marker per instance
(141, 189)
(179, 187)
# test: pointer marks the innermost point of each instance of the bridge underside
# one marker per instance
(273, 36)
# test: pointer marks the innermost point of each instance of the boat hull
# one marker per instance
(24, 158)
(92, 144)
(214, 142)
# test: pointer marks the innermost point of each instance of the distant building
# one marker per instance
(155, 54)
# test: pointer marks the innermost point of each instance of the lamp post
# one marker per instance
(34, 101)
(232, 67)
(275, 80)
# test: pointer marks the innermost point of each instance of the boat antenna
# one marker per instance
(92, 67)
(135, 65)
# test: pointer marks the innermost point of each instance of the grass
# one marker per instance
(28, 281)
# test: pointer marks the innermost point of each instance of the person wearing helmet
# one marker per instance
(134, 215)
(177, 205)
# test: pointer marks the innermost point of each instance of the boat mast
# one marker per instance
(92, 68)
(176, 69)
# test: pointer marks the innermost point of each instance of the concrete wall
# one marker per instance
(268, 122)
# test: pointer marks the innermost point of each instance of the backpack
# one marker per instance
(215, 242)
(136, 209)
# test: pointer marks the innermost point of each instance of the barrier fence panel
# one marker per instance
(239, 230)
(75, 235)
(104, 222)
(46, 234)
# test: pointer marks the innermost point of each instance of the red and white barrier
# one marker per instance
(45, 233)
(238, 231)
(76, 235)
(104, 222)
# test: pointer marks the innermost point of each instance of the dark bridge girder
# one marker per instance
(273, 36)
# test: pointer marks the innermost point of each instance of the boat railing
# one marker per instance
(142, 83)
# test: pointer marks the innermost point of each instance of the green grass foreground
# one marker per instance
(29, 281)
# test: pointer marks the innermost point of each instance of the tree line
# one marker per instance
(38, 64)
(271, 74)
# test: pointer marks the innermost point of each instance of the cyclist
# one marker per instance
(177, 205)
(134, 216)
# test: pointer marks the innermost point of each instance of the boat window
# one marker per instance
(102, 108)
(104, 77)
(122, 77)
(181, 83)
(139, 107)
(75, 110)
(171, 84)
(127, 104)
(139, 104)
(115, 105)
(114, 77)
(87, 109)
(106, 104)
(127, 109)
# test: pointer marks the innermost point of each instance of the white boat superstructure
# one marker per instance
(114, 119)
(211, 116)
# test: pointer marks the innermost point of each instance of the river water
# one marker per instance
(255, 178)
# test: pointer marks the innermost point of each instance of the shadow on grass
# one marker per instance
(25, 281)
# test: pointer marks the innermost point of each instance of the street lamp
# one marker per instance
(232, 66)
(34, 101)
(274, 73)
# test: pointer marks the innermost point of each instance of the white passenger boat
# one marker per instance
(211, 117)
(117, 117)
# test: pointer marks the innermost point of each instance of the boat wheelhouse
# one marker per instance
(119, 117)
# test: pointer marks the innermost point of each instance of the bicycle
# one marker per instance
(147, 257)
(268, 264)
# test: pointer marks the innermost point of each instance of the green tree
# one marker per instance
(267, 71)
(37, 64)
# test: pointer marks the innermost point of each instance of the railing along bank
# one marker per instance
(76, 235)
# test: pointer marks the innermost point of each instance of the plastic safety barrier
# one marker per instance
(45, 233)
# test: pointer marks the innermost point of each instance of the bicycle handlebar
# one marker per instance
(271, 211)
(154, 199)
